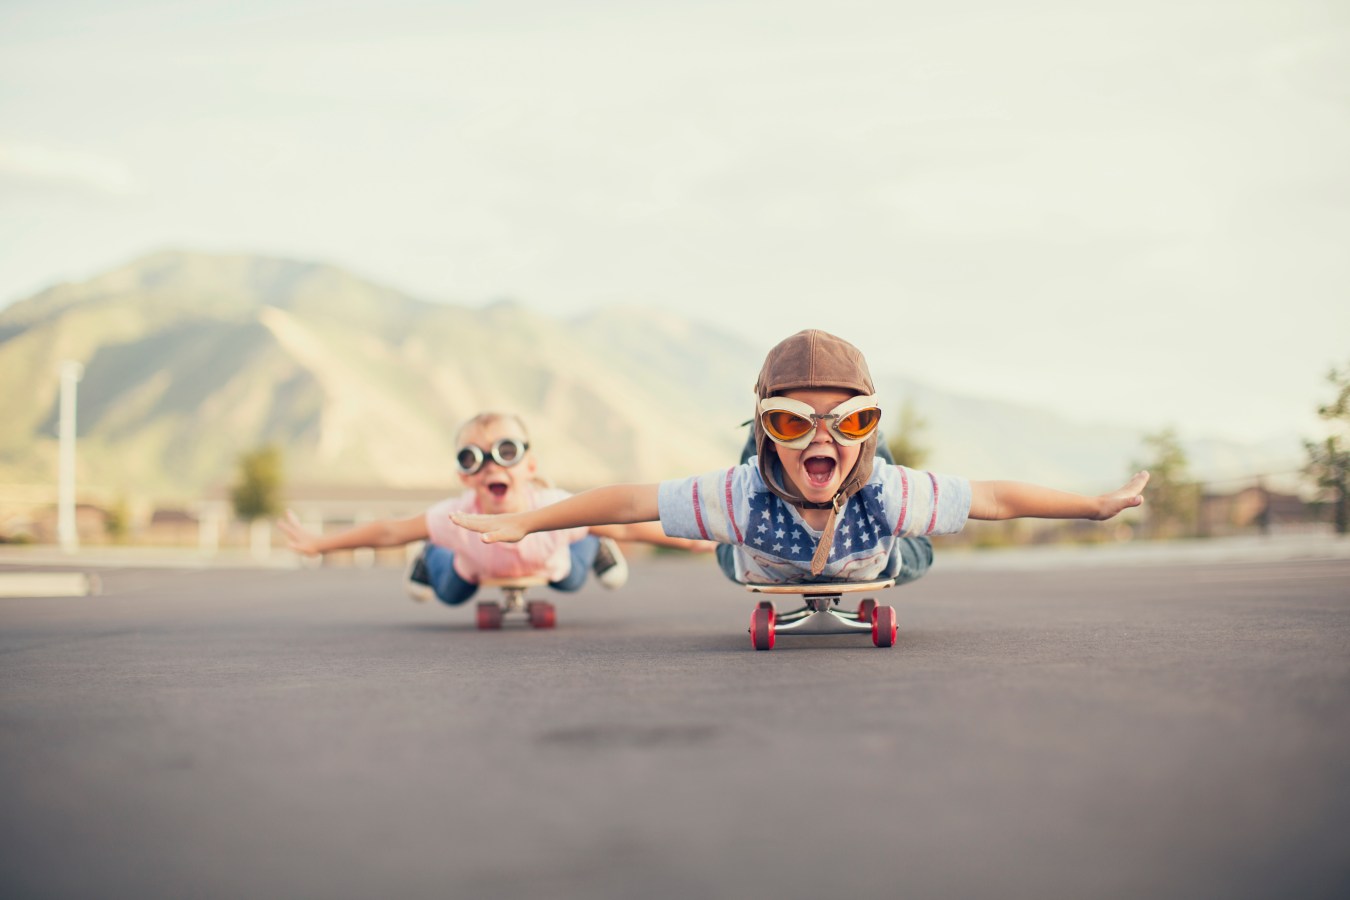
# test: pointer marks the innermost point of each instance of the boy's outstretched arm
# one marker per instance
(616, 504)
(1015, 500)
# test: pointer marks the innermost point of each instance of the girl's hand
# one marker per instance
(494, 529)
(1132, 494)
(297, 537)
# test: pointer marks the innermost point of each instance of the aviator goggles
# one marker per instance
(506, 453)
(792, 423)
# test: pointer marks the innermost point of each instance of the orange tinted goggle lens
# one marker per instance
(859, 424)
(786, 426)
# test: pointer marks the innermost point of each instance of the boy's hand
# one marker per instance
(504, 528)
(1128, 496)
(297, 537)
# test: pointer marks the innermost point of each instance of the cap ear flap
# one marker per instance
(862, 469)
(765, 457)
(762, 442)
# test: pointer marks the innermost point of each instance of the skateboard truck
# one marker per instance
(820, 614)
(490, 613)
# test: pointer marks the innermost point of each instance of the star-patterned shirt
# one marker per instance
(774, 545)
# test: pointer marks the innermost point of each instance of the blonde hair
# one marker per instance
(491, 417)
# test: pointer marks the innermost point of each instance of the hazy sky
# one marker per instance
(1132, 212)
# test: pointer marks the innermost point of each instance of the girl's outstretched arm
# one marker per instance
(616, 504)
(381, 533)
(651, 533)
(1015, 500)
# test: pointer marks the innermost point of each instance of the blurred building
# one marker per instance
(1257, 509)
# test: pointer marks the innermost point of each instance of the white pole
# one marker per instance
(71, 372)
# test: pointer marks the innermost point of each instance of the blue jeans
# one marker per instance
(916, 553)
(453, 590)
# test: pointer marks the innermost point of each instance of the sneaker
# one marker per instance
(609, 566)
(417, 582)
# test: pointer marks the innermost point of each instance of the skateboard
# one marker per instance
(491, 614)
(819, 615)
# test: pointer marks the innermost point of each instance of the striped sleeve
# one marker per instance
(704, 507)
(924, 503)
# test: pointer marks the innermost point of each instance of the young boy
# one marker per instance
(496, 465)
(813, 504)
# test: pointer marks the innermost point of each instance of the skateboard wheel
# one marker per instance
(867, 610)
(761, 628)
(542, 614)
(765, 604)
(489, 616)
(883, 626)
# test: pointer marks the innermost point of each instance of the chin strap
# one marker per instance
(827, 537)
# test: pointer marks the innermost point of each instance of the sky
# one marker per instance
(1128, 213)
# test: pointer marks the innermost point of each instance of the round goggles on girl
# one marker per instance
(506, 453)
(792, 423)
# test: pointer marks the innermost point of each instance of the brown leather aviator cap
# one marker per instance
(813, 359)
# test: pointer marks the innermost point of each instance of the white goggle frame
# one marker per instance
(831, 419)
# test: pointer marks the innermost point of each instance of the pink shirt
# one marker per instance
(542, 553)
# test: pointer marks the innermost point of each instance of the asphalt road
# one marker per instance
(1163, 731)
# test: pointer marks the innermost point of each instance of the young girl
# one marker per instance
(501, 473)
(813, 504)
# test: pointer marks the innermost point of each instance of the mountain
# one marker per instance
(191, 359)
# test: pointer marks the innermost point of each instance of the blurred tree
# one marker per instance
(256, 494)
(904, 443)
(1173, 505)
(118, 523)
(1329, 460)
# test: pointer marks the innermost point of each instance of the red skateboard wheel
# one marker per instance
(542, 614)
(884, 626)
(761, 628)
(489, 616)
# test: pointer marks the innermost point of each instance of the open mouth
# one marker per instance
(498, 489)
(819, 470)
